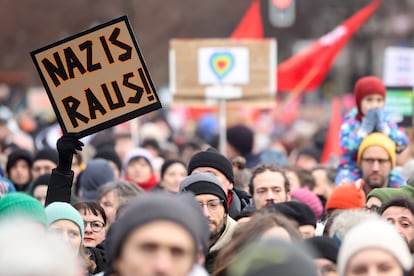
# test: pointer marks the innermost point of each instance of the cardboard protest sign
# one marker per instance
(239, 70)
(96, 79)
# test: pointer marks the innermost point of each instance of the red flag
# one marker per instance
(332, 149)
(251, 25)
(319, 56)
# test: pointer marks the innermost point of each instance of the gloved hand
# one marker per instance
(381, 125)
(369, 121)
(67, 145)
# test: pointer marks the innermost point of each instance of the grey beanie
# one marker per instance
(201, 183)
(97, 173)
(152, 207)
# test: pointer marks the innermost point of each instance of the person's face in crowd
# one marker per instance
(76, 167)
(225, 183)
(110, 203)
(231, 152)
(214, 211)
(322, 186)
(157, 248)
(269, 188)
(372, 101)
(20, 173)
(305, 161)
(307, 231)
(117, 173)
(123, 144)
(139, 170)
(325, 267)
(402, 219)
(375, 167)
(294, 181)
(42, 166)
(95, 231)
(373, 261)
(173, 176)
(276, 232)
(373, 204)
(40, 192)
(70, 233)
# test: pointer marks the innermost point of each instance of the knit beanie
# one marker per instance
(169, 162)
(385, 194)
(381, 140)
(147, 208)
(213, 159)
(97, 173)
(347, 220)
(200, 183)
(6, 186)
(241, 138)
(16, 155)
(311, 152)
(309, 198)
(272, 257)
(64, 211)
(374, 233)
(365, 86)
(21, 205)
(110, 155)
(41, 180)
(350, 196)
(47, 154)
(138, 153)
(295, 210)
(323, 247)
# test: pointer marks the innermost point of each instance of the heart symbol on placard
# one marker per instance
(221, 63)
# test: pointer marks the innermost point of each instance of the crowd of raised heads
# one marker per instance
(175, 202)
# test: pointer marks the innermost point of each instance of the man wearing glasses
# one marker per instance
(214, 205)
(376, 158)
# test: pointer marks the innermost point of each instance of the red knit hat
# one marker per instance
(347, 196)
(365, 86)
(309, 198)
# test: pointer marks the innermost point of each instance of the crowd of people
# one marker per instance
(122, 208)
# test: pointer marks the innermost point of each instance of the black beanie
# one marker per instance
(41, 180)
(167, 163)
(311, 152)
(323, 247)
(16, 155)
(201, 183)
(47, 154)
(151, 207)
(110, 155)
(213, 159)
(241, 138)
(295, 210)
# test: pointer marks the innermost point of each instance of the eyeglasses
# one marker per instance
(373, 208)
(212, 205)
(371, 161)
(96, 225)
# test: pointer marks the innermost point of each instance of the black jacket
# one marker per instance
(60, 187)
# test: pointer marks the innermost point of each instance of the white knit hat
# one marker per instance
(374, 233)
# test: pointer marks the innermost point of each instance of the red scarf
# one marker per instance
(147, 185)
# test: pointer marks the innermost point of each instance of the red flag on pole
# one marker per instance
(332, 148)
(251, 25)
(320, 55)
